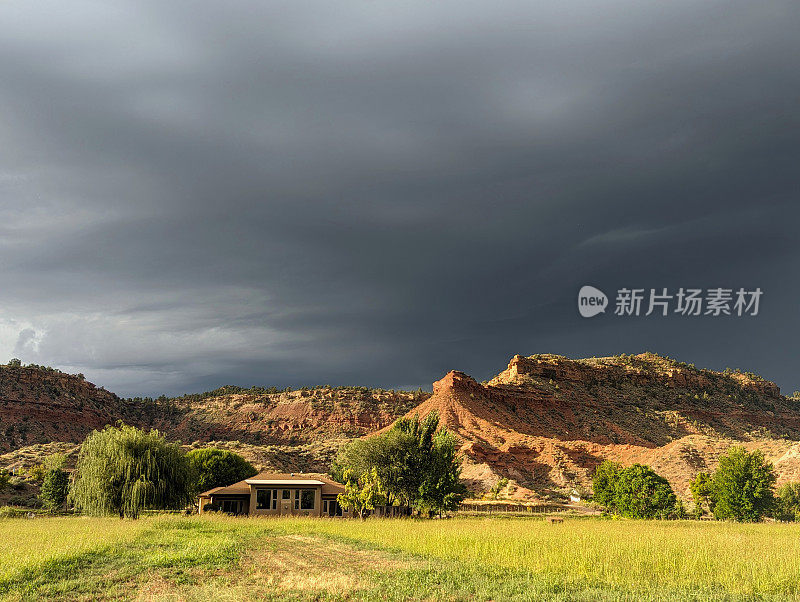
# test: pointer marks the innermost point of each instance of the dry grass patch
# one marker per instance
(283, 567)
(300, 562)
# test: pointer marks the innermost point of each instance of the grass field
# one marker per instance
(218, 558)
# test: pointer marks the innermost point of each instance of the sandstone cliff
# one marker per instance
(39, 406)
(546, 421)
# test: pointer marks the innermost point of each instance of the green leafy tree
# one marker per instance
(441, 489)
(218, 467)
(702, 489)
(362, 493)
(634, 492)
(414, 457)
(788, 502)
(55, 488)
(389, 454)
(498, 487)
(417, 464)
(55, 461)
(4, 478)
(126, 470)
(642, 493)
(604, 484)
(743, 486)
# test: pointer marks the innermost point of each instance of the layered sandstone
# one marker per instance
(546, 421)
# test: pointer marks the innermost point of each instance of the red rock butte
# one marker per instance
(545, 422)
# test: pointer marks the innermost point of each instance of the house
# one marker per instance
(575, 496)
(276, 494)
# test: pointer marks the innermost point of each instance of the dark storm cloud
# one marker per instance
(295, 193)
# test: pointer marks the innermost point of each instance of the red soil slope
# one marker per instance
(546, 422)
(39, 406)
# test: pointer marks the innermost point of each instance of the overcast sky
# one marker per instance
(203, 193)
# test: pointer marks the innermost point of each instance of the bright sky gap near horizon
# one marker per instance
(199, 194)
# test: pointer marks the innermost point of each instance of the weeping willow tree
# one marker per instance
(125, 470)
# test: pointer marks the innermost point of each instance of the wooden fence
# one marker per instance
(507, 507)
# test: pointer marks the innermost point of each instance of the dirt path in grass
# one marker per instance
(283, 568)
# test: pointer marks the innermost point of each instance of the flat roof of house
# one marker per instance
(278, 479)
(284, 482)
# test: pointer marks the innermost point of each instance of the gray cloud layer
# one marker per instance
(194, 194)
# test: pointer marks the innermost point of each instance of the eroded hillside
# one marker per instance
(42, 405)
(39, 406)
(546, 421)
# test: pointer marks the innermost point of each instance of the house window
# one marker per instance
(230, 506)
(287, 494)
(263, 499)
(307, 497)
(331, 508)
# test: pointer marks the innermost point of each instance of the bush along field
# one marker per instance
(172, 557)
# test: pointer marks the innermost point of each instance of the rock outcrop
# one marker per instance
(39, 406)
(547, 421)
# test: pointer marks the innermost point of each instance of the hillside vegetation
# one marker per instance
(40, 405)
(542, 425)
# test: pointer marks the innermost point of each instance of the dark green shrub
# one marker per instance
(12, 512)
(55, 488)
(743, 486)
(635, 492)
(217, 468)
(642, 493)
(604, 484)
(788, 502)
(702, 489)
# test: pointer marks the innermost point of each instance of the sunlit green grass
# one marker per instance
(26, 545)
(212, 558)
(624, 555)
(65, 557)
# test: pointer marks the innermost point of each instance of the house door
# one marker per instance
(286, 501)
